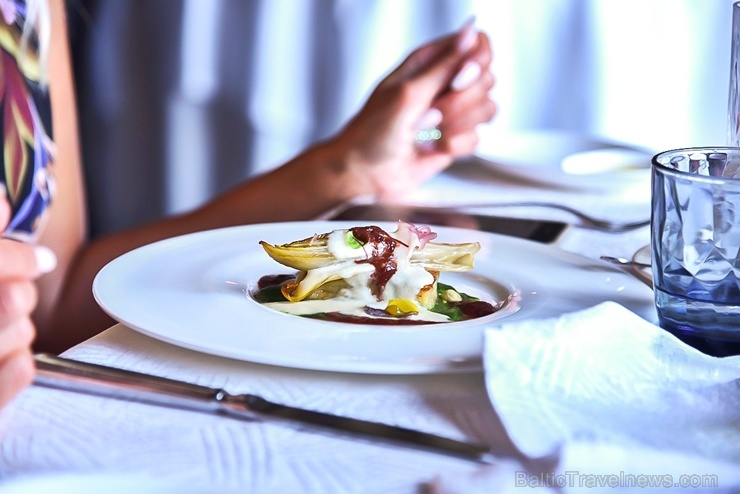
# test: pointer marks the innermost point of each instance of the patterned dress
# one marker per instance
(25, 126)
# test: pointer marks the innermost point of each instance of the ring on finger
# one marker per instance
(428, 135)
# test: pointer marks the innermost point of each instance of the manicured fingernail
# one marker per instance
(468, 74)
(431, 118)
(3, 191)
(46, 260)
(467, 36)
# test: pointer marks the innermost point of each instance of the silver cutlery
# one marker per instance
(586, 220)
(625, 262)
(71, 375)
(635, 268)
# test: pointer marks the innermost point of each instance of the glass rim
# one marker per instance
(664, 168)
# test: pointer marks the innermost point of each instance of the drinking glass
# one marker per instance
(695, 246)
(733, 105)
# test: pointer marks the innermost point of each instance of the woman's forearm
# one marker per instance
(301, 189)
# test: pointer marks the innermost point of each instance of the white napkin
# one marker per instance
(623, 403)
(108, 483)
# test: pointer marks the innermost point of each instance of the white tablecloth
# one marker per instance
(53, 440)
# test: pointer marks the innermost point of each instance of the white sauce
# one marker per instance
(338, 247)
(345, 306)
(355, 274)
(407, 282)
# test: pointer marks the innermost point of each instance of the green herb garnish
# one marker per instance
(450, 309)
(352, 241)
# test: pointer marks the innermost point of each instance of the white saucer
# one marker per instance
(565, 159)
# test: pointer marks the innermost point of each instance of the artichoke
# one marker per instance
(367, 258)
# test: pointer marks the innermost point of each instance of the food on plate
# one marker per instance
(365, 274)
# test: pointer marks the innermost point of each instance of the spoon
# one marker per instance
(625, 262)
(635, 268)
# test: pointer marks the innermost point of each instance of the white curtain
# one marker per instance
(181, 99)
(654, 73)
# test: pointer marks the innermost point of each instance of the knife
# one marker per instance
(72, 375)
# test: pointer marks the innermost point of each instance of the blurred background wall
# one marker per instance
(181, 99)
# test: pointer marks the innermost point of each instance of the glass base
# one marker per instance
(713, 329)
(709, 346)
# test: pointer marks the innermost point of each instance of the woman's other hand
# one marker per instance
(442, 85)
(20, 264)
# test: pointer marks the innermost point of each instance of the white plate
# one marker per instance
(565, 159)
(193, 291)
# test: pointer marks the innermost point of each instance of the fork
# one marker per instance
(587, 221)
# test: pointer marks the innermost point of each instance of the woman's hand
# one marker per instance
(20, 264)
(444, 85)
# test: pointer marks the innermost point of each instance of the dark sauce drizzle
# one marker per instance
(381, 256)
